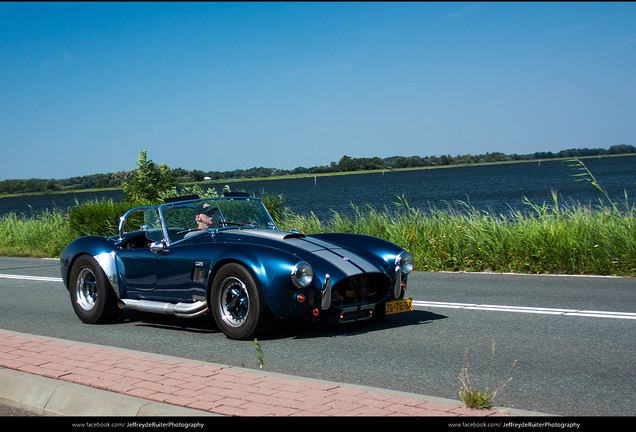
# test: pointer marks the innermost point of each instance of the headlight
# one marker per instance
(405, 262)
(302, 274)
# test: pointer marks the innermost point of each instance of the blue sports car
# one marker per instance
(226, 257)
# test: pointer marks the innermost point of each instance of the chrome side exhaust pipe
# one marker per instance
(183, 310)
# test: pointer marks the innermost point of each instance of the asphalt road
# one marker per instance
(10, 409)
(572, 337)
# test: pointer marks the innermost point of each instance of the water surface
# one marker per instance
(495, 188)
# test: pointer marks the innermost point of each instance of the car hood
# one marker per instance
(348, 261)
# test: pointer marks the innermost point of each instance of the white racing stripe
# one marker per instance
(347, 261)
(33, 278)
(522, 309)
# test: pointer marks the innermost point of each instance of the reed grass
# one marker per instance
(43, 235)
(545, 238)
(480, 399)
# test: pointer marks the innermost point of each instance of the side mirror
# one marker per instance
(157, 247)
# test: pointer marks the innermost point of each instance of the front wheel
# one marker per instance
(92, 295)
(238, 305)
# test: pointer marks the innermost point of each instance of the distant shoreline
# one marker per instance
(331, 174)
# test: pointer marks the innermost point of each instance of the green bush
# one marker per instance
(97, 217)
(148, 181)
(275, 205)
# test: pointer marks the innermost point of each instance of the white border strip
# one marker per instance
(522, 309)
(34, 278)
(445, 305)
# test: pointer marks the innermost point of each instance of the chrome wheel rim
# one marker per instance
(86, 289)
(233, 302)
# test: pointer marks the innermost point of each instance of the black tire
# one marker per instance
(92, 295)
(238, 305)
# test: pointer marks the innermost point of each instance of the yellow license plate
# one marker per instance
(397, 306)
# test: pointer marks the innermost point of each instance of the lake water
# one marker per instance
(496, 188)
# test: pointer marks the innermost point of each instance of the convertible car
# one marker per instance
(227, 258)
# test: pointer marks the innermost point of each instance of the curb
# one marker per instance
(65, 378)
(51, 397)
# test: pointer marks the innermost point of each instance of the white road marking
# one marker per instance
(35, 278)
(444, 305)
(522, 309)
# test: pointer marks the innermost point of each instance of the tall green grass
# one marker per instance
(46, 234)
(41, 236)
(546, 238)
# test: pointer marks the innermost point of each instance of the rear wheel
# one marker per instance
(92, 296)
(238, 305)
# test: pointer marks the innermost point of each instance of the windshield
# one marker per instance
(184, 219)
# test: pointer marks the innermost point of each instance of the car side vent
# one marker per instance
(198, 275)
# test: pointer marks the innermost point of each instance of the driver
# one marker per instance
(203, 214)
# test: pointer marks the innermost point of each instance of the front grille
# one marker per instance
(360, 289)
(356, 313)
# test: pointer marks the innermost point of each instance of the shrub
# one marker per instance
(148, 181)
(97, 217)
(275, 205)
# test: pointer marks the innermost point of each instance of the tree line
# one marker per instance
(345, 164)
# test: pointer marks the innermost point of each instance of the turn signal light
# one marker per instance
(300, 298)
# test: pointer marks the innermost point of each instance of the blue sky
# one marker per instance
(221, 86)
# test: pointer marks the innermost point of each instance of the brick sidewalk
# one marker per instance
(208, 387)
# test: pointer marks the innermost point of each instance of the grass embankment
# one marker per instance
(547, 238)
(550, 238)
(41, 236)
